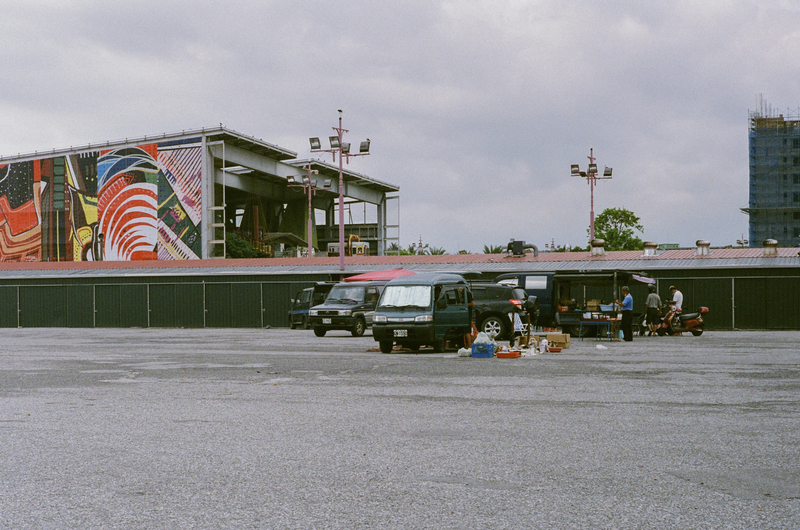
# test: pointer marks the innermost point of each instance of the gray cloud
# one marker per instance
(475, 108)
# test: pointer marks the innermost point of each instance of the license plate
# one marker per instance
(326, 320)
(401, 333)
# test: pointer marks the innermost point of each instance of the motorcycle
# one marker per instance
(674, 322)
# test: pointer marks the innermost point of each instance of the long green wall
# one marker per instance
(737, 299)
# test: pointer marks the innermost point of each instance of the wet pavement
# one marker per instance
(276, 428)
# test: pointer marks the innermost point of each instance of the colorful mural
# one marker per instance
(131, 203)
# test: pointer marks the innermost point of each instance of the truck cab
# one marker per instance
(305, 300)
(539, 284)
(423, 309)
(565, 295)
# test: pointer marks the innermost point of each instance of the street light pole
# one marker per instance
(338, 146)
(309, 186)
(591, 176)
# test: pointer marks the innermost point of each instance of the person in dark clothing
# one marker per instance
(653, 305)
(626, 306)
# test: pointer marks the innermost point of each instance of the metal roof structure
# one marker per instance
(681, 259)
(211, 133)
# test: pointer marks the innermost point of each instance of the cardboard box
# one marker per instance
(558, 339)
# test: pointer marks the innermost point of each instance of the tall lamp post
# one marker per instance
(343, 148)
(309, 186)
(591, 177)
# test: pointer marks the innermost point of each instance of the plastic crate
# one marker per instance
(483, 350)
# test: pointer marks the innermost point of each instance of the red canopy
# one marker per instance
(379, 275)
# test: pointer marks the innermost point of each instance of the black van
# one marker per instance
(423, 309)
(349, 306)
(305, 300)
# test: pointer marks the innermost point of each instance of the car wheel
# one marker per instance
(413, 347)
(291, 323)
(494, 325)
(386, 346)
(576, 331)
(359, 327)
(305, 324)
(320, 332)
(697, 332)
(438, 346)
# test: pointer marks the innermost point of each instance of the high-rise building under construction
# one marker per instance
(774, 206)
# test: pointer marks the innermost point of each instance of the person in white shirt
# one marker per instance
(677, 297)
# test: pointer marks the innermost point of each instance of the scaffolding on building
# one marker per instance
(774, 148)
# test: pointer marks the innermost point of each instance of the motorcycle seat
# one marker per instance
(689, 316)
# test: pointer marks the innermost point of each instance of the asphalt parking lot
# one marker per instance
(276, 428)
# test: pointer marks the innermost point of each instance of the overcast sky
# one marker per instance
(475, 109)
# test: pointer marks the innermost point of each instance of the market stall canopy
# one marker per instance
(379, 275)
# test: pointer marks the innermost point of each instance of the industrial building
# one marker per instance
(181, 196)
(774, 206)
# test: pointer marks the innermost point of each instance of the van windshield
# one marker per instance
(346, 294)
(406, 296)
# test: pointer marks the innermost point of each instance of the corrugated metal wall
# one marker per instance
(188, 302)
(738, 299)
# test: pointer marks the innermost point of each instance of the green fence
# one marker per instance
(162, 304)
(737, 299)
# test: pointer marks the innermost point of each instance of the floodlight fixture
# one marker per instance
(315, 144)
(237, 170)
(343, 149)
(591, 177)
(306, 180)
(290, 179)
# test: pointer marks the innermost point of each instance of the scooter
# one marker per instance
(674, 322)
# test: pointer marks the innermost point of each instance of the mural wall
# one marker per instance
(131, 203)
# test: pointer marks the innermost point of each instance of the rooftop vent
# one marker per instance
(770, 248)
(703, 247)
(517, 248)
(598, 247)
(650, 249)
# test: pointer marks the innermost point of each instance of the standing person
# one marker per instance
(653, 305)
(677, 297)
(626, 306)
(677, 301)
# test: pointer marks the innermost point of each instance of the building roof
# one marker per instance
(212, 134)
(350, 177)
(686, 259)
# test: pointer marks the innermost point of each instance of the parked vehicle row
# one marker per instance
(351, 305)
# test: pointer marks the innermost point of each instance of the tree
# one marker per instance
(616, 226)
(492, 249)
(437, 251)
(236, 247)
